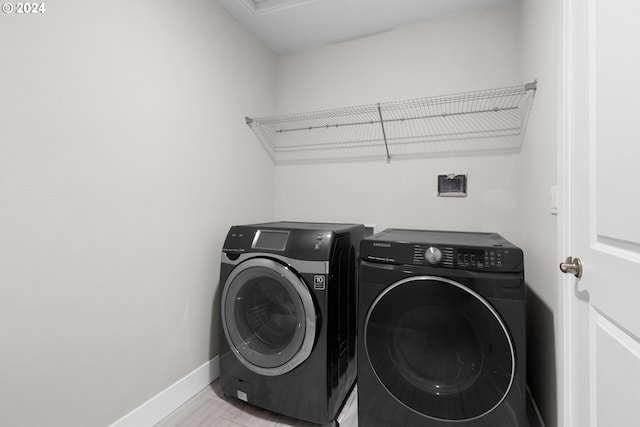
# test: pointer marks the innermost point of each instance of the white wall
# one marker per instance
(455, 54)
(124, 160)
(540, 54)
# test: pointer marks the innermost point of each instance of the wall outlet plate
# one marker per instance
(452, 185)
(554, 200)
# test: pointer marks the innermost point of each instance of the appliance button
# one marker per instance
(433, 255)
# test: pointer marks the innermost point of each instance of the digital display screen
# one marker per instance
(269, 239)
(470, 257)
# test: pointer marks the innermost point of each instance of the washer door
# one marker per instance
(439, 348)
(268, 316)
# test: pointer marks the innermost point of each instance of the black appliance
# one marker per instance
(288, 317)
(441, 330)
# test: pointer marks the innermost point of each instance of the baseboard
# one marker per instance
(170, 399)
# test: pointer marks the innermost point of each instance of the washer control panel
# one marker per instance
(305, 244)
(443, 249)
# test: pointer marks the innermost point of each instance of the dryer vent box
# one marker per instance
(452, 185)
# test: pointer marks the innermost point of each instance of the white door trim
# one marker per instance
(564, 328)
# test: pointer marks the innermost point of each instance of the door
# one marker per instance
(268, 316)
(599, 178)
(439, 348)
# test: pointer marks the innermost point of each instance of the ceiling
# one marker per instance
(290, 25)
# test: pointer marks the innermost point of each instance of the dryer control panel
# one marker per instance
(459, 257)
(459, 250)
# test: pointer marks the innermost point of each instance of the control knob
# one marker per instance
(433, 255)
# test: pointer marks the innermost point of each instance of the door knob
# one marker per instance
(573, 266)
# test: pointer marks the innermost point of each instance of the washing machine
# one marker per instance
(288, 317)
(441, 330)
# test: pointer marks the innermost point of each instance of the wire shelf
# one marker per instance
(491, 120)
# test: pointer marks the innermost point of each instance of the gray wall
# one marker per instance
(123, 155)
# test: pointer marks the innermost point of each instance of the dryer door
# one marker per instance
(439, 348)
(268, 316)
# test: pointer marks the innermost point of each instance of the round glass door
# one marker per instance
(439, 348)
(268, 316)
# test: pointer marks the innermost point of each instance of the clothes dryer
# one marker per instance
(441, 330)
(288, 317)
